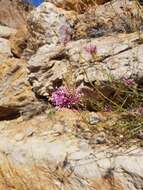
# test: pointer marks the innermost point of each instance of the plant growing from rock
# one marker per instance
(91, 50)
(63, 97)
(129, 82)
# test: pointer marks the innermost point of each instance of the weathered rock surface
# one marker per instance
(76, 5)
(115, 16)
(5, 47)
(48, 24)
(6, 32)
(13, 13)
(54, 70)
(18, 42)
(16, 95)
(116, 57)
(61, 159)
(13, 16)
(66, 149)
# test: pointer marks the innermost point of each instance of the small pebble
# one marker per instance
(58, 128)
(140, 135)
(94, 119)
(29, 132)
(84, 146)
(19, 137)
(98, 139)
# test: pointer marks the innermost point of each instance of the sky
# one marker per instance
(35, 2)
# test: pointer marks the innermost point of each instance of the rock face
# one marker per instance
(13, 13)
(47, 24)
(103, 51)
(18, 42)
(15, 91)
(76, 5)
(102, 20)
(6, 32)
(5, 47)
(61, 159)
(42, 148)
(54, 75)
(118, 56)
(115, 58)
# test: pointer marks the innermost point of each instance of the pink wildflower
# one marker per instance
(64, 98)
(128, 82)
(90, 49)
(107, 108)
(140, 111)
(65, 32)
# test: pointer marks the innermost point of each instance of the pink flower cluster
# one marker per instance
(140, 111)
(90, 49)
(65, 32)
(107, 108)
(62, 97)
(128, 82)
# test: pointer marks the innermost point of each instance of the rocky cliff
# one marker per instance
(13, 13)
(71, 95)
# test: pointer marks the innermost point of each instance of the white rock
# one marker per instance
(5, 47)
(117, 58)
(50, 24)
(19, 136)
(6, 32)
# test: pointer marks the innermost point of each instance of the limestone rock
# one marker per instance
(116, 16)
(52, 61)
(15, 90)
(50, 25)
(76, 5)
(13, 13)
(94, 119)
(67, 149)
(5, 47)
(18, 42)
(6, 32)
(66, 60)
(116, 57)
(121, 12)
(62, 161)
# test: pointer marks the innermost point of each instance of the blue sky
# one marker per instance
(35, 2)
